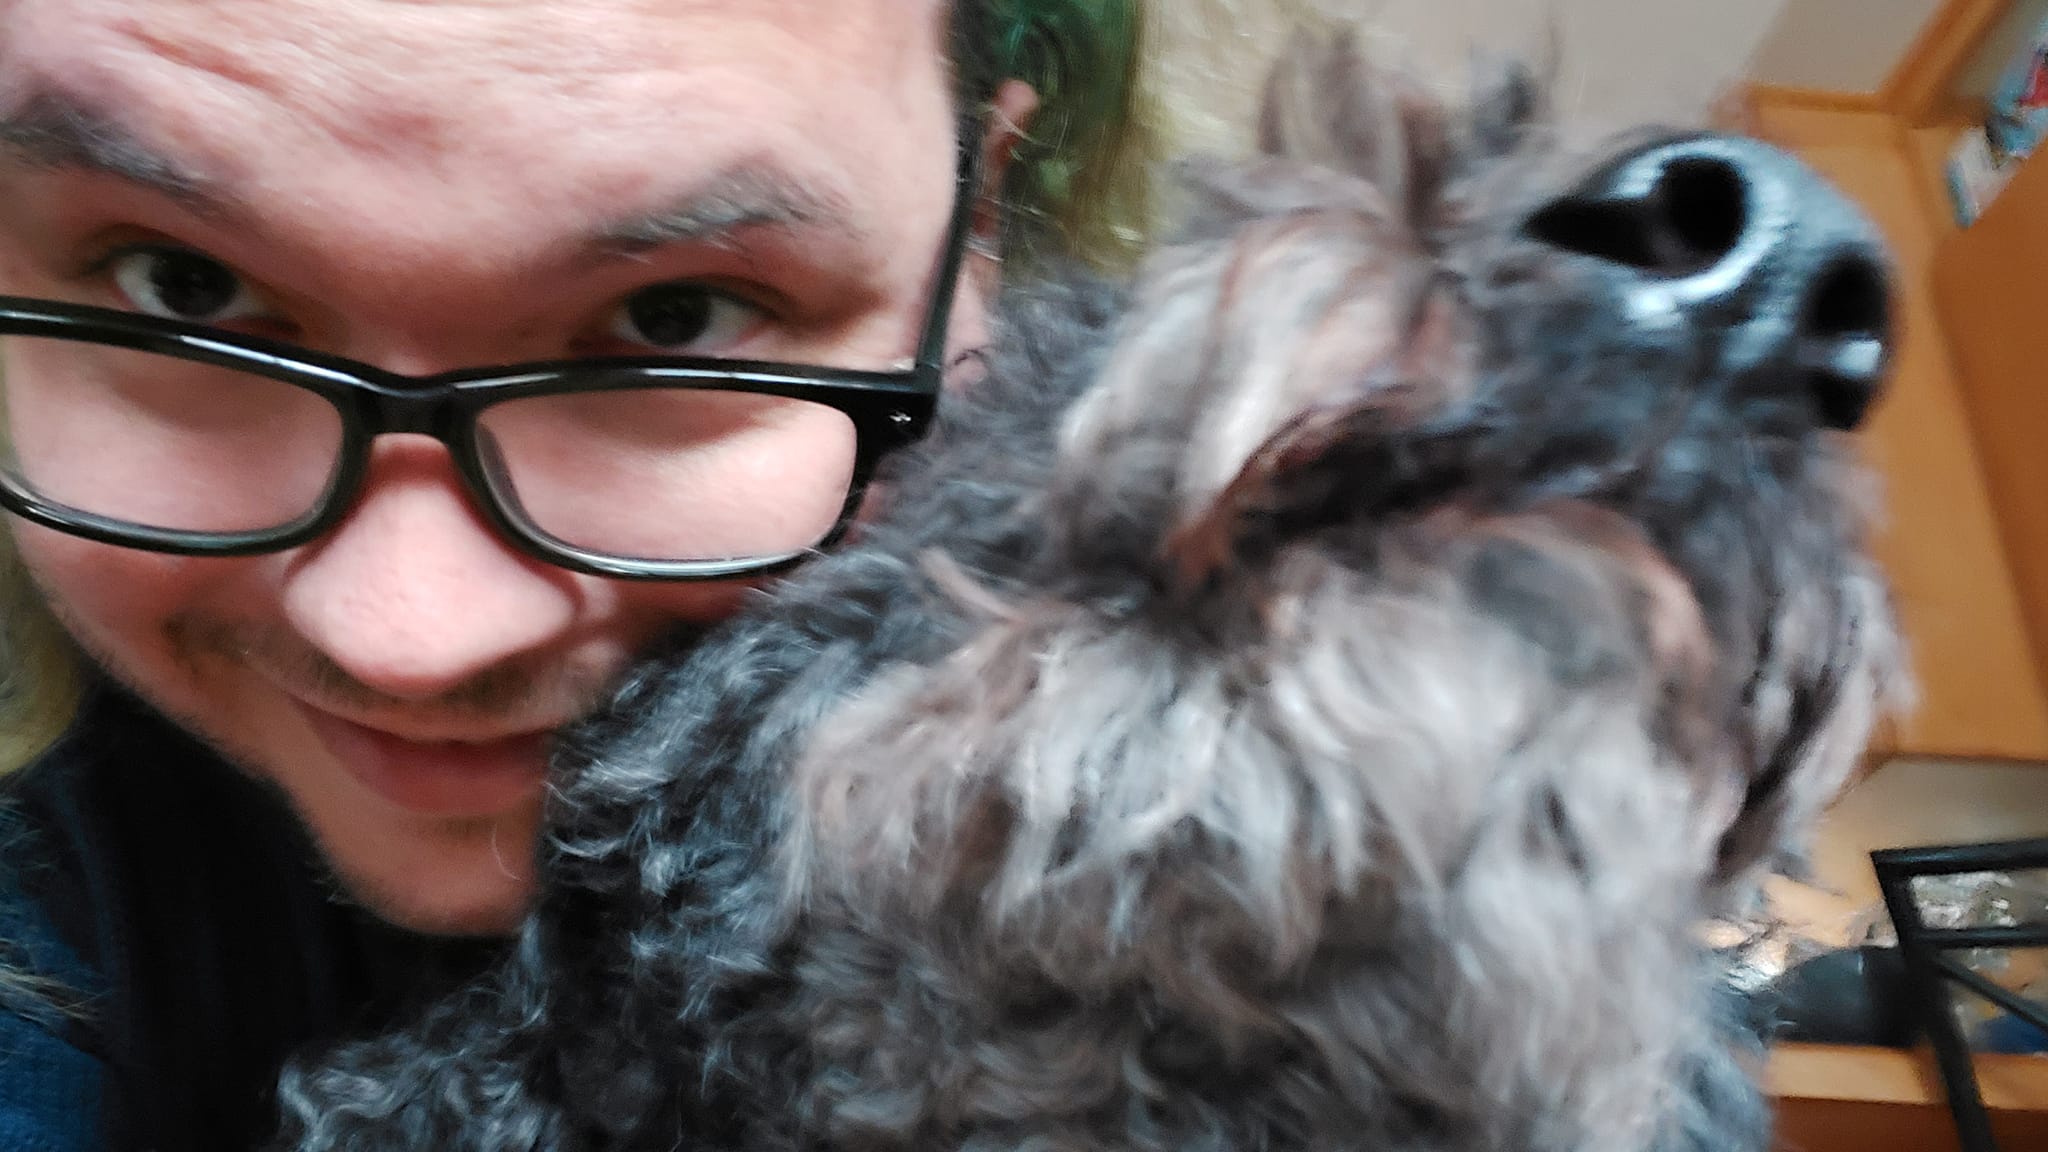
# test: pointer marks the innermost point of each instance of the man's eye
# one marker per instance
(683, 317)
(181, 285)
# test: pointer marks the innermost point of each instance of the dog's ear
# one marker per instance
(1508, 100)
(1329, 103)
(1293, 476)
(1353, 454)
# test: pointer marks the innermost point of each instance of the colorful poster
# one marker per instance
(2019, 105)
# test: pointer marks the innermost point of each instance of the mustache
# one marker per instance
(557, 690)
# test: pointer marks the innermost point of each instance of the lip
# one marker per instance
(437, 778)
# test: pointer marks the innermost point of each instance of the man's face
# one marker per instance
(427, 187)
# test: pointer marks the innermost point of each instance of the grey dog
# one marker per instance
(1307, 698)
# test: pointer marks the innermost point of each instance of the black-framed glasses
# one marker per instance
(176, 437)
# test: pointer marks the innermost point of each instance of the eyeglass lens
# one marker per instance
(671, 473)
(645, 473)
(162, 442)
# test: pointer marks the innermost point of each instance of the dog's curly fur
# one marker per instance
(1307, 700)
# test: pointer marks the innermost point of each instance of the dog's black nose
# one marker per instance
(1736, 236)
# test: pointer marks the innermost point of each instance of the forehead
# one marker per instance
(408, 60)
(562, 104)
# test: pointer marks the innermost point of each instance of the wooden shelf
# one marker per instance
(1900, 1076)
(1836, 1099)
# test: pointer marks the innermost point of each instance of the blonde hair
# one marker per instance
(40, 670)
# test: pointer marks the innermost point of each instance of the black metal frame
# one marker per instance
(1929, 968)
(888, 409)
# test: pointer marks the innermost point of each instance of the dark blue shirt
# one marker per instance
(184, 939)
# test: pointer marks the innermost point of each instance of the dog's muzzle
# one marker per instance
(1719, 232)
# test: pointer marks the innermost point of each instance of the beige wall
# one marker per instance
(1839, 45)
(1619, 61)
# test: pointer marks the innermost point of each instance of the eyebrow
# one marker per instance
(58, 129)
(55, 129)
(737, 199)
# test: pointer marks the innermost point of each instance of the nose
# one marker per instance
(414, 596)
(1747, 244)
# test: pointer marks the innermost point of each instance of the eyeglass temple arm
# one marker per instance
(931, 352)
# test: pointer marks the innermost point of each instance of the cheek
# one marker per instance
(107, 593)
(643, 611)
(120, 605)
(117, 601)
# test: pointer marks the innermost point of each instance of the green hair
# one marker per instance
(1121, 85)
(1079, 178)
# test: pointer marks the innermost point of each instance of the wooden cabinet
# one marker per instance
(1991, 283)
(1946, 542)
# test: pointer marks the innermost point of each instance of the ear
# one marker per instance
(1328, 102)
(1009, 121)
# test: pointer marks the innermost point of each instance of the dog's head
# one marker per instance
(1424, 343)
(1454, 590)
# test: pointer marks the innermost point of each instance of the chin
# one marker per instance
(453, 878)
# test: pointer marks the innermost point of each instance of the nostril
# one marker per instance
(1850, 298)
(1601, 229)
(1688, 216)
(1705, 204)
(1843, 338)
